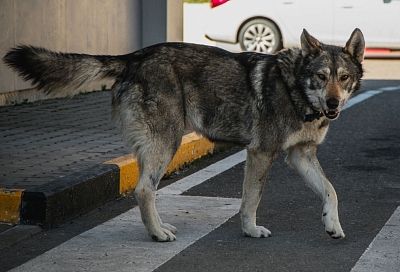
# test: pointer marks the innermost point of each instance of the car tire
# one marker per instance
(260, 35)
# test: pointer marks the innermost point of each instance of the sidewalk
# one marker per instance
(52, 156)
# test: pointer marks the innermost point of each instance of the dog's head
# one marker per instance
(330, 74)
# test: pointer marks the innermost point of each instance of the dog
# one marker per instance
(268, 103)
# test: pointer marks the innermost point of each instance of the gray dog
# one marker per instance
(268, 103)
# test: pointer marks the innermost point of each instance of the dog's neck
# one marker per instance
(289, 62)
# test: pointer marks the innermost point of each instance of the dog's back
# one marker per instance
(210, 88)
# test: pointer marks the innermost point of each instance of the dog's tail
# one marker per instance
(61, 72)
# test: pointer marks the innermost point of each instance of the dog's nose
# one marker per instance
(332, 103)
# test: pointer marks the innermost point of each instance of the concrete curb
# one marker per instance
(78, 193)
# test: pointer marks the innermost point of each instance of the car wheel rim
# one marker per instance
(259, 38)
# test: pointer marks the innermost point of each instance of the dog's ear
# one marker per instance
(355, 45)
(309, 44)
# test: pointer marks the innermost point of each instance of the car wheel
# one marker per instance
(260, 35)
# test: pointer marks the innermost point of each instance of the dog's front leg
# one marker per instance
(257, 166)
(303, 158)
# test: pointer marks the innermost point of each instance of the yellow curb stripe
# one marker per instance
(128, 172)
(192, 147)
(10, 205)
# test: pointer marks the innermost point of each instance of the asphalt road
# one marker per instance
(361, 157)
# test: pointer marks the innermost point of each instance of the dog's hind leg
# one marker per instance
(257, 166)
(153, 160)
(152, 123)
(303, 158)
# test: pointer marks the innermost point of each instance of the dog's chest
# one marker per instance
(311, 132)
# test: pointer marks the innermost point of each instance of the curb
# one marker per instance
(72, 195)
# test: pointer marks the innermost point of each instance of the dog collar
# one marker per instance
(312, 116)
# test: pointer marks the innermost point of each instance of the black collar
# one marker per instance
(312, 116)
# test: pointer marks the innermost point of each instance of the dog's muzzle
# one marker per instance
(333, 108)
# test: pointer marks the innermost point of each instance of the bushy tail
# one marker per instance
(61, 72)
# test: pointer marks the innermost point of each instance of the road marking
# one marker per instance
(383, 254)
(368, 94)
(204, 174)
(361, 97)
(122, 244)
(390, 88)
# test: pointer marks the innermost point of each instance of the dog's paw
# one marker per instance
(163, 235)
(332, 226)
(257, 232)
(336, 235)
(169, 227)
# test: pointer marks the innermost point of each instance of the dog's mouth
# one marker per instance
(331, 114)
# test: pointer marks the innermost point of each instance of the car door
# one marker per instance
(314, 15)
(379, 20)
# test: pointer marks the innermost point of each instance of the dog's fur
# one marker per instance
(266, 102)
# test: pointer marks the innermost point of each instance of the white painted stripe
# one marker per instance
(383, 254)
(368, 94)
(390, 88)
(199, 177)
(361, 97)
(122, 244)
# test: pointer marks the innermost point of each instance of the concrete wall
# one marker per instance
(175, 20)
(154, 21)
(162, 20)
(82, 26)
(89, 26)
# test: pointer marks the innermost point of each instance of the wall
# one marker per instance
(86, 26)
(175, 20)
(154, 21)
(162, 20)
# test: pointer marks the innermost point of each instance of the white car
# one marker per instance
(268, 25)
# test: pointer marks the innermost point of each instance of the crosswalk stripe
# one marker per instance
(199, 177)
(368, 94)
(122, 244)
(383, 254)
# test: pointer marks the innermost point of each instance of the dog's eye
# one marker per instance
(321, 76)
(344, 77)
